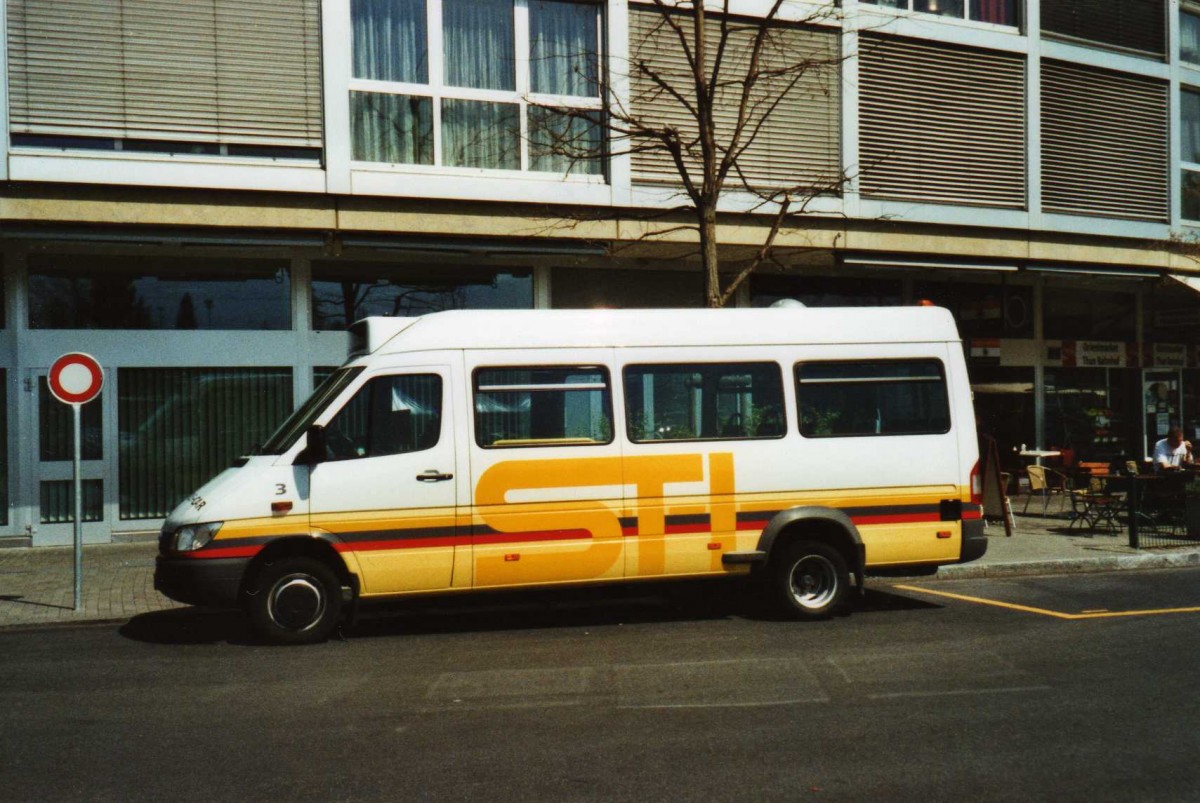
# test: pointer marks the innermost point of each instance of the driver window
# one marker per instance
(388, 415)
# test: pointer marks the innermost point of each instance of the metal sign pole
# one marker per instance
(75, 409)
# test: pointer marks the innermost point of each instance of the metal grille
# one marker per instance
(941, 124)
(1104, 143)
(179, 427)
(200, 70)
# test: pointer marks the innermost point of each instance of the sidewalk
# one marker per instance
(37, 585)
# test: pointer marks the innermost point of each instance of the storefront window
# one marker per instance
(1076, 313)
(1004, 410)
(179, 427)
(344, 292)
(1093, 412)
(983, 310)
(574, 288)
(71, 291)
(826, 291)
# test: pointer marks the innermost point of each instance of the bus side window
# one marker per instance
(876, 397)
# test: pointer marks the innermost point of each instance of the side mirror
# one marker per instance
(316, 450)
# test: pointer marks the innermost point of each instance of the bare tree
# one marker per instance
(708, 92)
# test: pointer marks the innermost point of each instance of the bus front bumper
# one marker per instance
(213, 582)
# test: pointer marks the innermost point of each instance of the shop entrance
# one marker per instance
(52, 478)
(1162, 400)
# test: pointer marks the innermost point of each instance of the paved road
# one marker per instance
(693, 696)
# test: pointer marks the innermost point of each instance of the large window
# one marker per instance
(703, 402)
(1000, 12)
(1139, 25)
(1189, 144)
(389, 415)
(1189, 32)
(76, 292)
(180, 427)
(893, 397)
(491, 84)
(551, 406)
(344, 292)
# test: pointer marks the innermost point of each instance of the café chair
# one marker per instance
(1044, 482)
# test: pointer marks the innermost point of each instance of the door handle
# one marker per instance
(432, 475)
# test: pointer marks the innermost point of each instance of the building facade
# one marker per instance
(204, 193)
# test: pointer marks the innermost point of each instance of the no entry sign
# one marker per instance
(75, 378)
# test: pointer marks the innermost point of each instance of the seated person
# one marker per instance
(1172, 452)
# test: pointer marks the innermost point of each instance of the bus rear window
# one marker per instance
(872, 398)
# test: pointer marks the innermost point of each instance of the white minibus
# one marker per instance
(473, 450)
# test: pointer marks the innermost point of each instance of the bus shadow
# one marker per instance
(184, 626)
(517, 611)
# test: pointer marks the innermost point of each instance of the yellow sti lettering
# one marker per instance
(590, 518)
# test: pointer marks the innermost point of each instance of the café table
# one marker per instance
(1038, 454)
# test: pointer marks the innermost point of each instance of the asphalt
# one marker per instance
(37, 585)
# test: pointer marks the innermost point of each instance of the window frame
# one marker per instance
(522, 96)
(531, 387)
(625, 384)
(944, 383)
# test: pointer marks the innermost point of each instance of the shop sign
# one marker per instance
(1169, 355)
(1097, 354)
(1018, 352)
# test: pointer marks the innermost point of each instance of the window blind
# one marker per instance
(799, 144)
(221, 71)
(941, 124)
(1104, 143)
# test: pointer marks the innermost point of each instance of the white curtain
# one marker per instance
(396, 129)
(1189, 37)
(480, 46)
(478, 133)
(390, 42)
(563, 48)
(563, 143)
(1190, 123)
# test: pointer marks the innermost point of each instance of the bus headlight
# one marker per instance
(191, 537)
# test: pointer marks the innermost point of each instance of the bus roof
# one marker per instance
(624, 328)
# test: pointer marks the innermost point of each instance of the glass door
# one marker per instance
(1162, 399)
(53, 490)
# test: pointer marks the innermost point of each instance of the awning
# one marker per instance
(1188, 281)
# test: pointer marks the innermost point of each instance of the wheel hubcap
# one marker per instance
(296, 602)
(813, 581)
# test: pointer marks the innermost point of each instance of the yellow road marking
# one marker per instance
(1046, 612)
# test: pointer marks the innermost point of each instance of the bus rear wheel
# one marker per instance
(810, 580)
(295, 600)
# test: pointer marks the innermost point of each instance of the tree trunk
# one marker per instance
(707, 215)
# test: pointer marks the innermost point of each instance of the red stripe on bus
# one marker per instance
(898, 518)
(223, 552)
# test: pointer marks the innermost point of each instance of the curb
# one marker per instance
(1070, 566)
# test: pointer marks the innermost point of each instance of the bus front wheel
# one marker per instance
(810, 580)
(295, 600)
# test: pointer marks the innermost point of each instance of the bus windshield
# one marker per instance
(298, 422)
